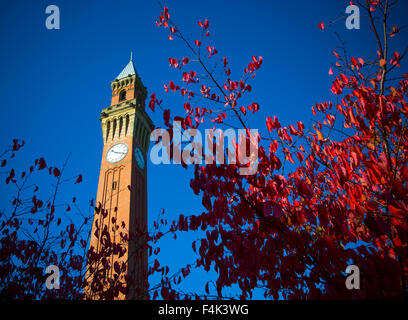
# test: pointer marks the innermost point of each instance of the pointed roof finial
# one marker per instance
(128, 70)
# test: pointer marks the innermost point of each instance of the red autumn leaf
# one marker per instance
(56, 172)
(41, 164)
(395, 59)
(289, 158)
(395, 211)
(319, 135)
(272, 124)
(395, 30)
(152, 101)
(172, 86)
(79, 179)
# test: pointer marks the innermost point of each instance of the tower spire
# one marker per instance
(128, 70)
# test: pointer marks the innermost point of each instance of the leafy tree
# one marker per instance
(38, 232)
(322, 198)
(41, 229)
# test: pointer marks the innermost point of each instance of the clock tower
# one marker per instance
(121, 201)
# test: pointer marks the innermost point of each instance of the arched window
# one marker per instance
(120, 126)
(114, 129)
(122, 95)
(127, 124)
(107, 130)
(136, 129)
(139, 132)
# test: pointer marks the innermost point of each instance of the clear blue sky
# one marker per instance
(54, 83)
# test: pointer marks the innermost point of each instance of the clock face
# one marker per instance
(117, 152)
(139, 158)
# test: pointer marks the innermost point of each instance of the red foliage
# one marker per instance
(344, 202)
